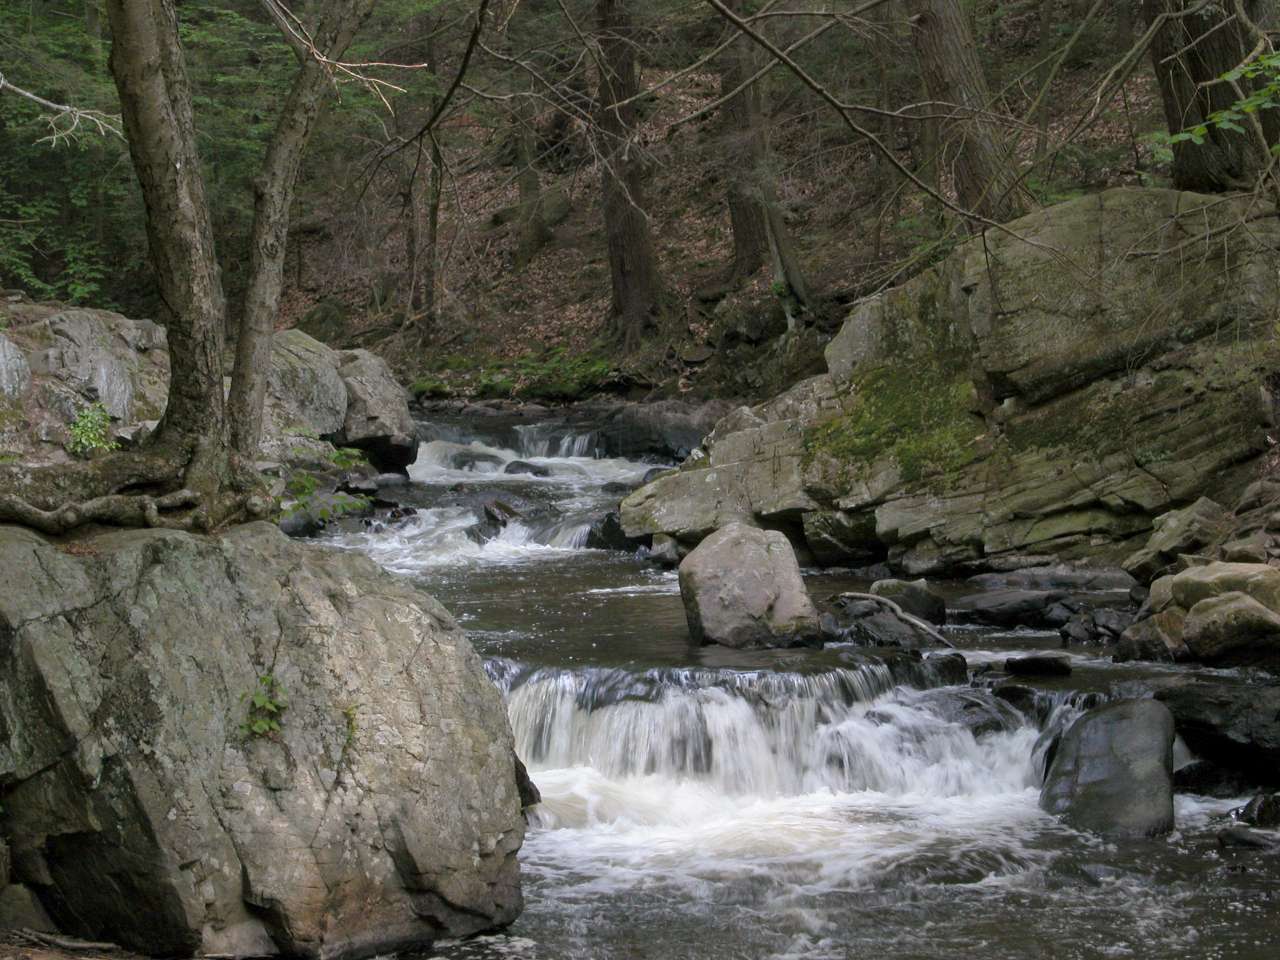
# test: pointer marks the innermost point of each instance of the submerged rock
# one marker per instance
(742, 588)
(144, 808)
(1039, 665)
(1011, 608)
(1113, 771)
(915, 597)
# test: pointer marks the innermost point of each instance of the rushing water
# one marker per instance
(706, 803)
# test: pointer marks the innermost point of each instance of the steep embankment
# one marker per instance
(1047, 391)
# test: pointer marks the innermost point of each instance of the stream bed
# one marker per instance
(705, 803)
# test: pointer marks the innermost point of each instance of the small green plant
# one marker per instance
(344, 458)
(266, 705)
(90, 431)
(349, 714)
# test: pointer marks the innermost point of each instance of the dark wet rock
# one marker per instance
(742, 588)
(1009, 608)
(530, 795)
(839, 538)
(1242, 838)
(311, 514)
(869, 623)
(666, 429)
(617, 488)
(524, 466)
(1157, 638)
(1038, 665)
(977, 710)
(911, 668)
(1209, 780)
(607, 534)
(1099, 627)
(666, 551)
(468, 459)
(1233, 630)
(1262, 811)
(383, 814)
(915, 597)
(1113, 771)
(1021, 698)
(1230, 723)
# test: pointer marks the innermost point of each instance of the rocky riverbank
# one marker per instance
(1042, 394)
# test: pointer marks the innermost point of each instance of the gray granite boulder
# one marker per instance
(142, 808)
(742, 588)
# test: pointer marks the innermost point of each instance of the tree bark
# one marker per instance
(1189, 53)
(633, 263)
(155, 100)
(986, 181)
(273, 197)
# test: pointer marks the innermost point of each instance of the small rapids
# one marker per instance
(700, 803)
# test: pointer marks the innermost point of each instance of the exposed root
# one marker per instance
(903, 615)
(120, 510)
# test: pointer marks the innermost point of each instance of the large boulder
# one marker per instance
(1259, 581)
(1178, 532)
(1233, 630)
(742, 588)
(305, 392)
(377, 418)
(151, 801)
(1232, 724)
(1113, 771)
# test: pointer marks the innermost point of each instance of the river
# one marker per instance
(699, 802)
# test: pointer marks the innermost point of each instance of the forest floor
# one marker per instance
(857, 231)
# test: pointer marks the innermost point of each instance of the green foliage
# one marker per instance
(558, 375)
(266, 704)
(346, 458)
(429, 388)
(1265, 73)
(918, 416)
(349, 715)
(90, 431)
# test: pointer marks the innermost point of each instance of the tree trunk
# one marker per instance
(273, 197)
(155, 103)
(977, 156)
(759, 229)
(633, 264)
(1188, 54)
(534, 231)
(429, 256)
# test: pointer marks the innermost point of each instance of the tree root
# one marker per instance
(120, 510)
(901, 614)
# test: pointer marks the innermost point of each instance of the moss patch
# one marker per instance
(918, 415)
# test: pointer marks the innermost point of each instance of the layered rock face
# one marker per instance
(54, 361)
(139, 803)
(1041, 394)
